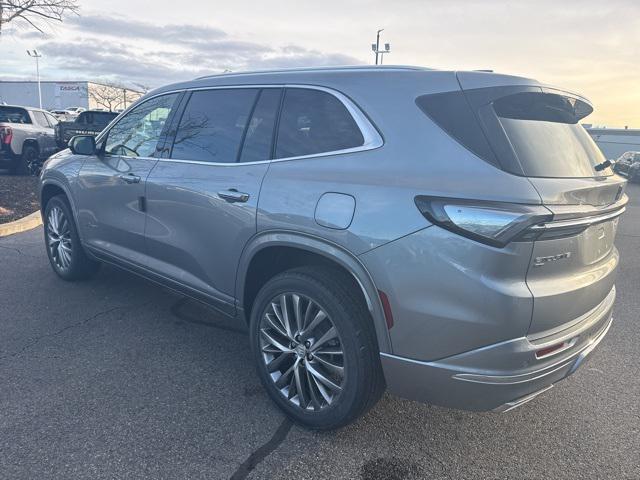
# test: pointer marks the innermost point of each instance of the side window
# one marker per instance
(138, 132)
(313, 121)
(212, 125)
(40, 118)
(53, 121)
(259, 135)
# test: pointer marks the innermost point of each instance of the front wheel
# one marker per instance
(66, 254)
(315, 347)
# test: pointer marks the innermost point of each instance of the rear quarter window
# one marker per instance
(315, 122)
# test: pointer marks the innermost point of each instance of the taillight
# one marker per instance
(493, 223)
(6, 135)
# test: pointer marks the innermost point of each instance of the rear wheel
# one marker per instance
(315, 347)
(66, 255)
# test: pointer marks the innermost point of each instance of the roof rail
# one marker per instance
(317, 69)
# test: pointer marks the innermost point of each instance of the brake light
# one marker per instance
(6, 135)
(493, 223)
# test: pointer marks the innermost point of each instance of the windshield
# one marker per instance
(96, 118)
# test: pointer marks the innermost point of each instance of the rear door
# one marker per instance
(51, 137)
(44, 133)
(535, 132)
(202, 198)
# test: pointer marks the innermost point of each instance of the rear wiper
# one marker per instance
(601, 166)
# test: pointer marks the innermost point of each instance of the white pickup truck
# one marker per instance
(27, 137)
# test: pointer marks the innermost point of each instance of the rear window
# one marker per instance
(14, 115)
(212, 125)
(523, 130)
(100, 119)
(545, 135)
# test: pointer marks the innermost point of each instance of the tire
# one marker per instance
(66, 254)
(27, 163)
(361, 383)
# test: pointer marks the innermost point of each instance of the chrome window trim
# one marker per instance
(371, 136)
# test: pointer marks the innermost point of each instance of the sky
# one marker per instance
(590, 47)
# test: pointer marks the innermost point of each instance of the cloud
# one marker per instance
(129, 28)
(132, 51)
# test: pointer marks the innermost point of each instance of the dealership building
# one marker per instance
(61, 95)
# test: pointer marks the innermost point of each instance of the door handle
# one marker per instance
(129, 178)
(233, 195)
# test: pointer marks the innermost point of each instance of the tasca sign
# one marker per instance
(77, 90)
(66, 88)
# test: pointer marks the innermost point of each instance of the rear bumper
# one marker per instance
(501, 376)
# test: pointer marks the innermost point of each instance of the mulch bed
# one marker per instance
(18, 196)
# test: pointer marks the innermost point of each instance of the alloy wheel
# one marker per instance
(302, 351)
(59, 238)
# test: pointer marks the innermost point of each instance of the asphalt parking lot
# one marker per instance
(118, 378)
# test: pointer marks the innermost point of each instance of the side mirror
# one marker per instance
(83, 145)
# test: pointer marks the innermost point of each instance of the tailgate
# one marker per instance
(574, 262)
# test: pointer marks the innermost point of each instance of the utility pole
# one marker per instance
(376, 48)
(37, 56)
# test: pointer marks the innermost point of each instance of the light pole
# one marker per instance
(37, 56)
(376, 48)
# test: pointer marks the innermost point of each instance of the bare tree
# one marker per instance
(36, 13)
(112, 96)
(109, 96)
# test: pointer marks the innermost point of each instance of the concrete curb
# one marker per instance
(21, 225)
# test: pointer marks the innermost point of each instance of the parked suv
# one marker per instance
(88, 122)
(448, 234)
(26, 138)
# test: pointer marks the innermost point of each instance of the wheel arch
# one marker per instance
(291, 244)
(49, 188)
(30, 142)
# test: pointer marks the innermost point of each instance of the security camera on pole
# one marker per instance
(376, 48)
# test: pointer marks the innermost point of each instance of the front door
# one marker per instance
(111, 184)
(202, 200)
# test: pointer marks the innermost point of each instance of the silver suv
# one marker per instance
(448, 235)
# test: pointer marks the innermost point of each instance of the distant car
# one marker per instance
(89, 122)
(27, 137)
(76, 110)
(63, 115)
(628, 165)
